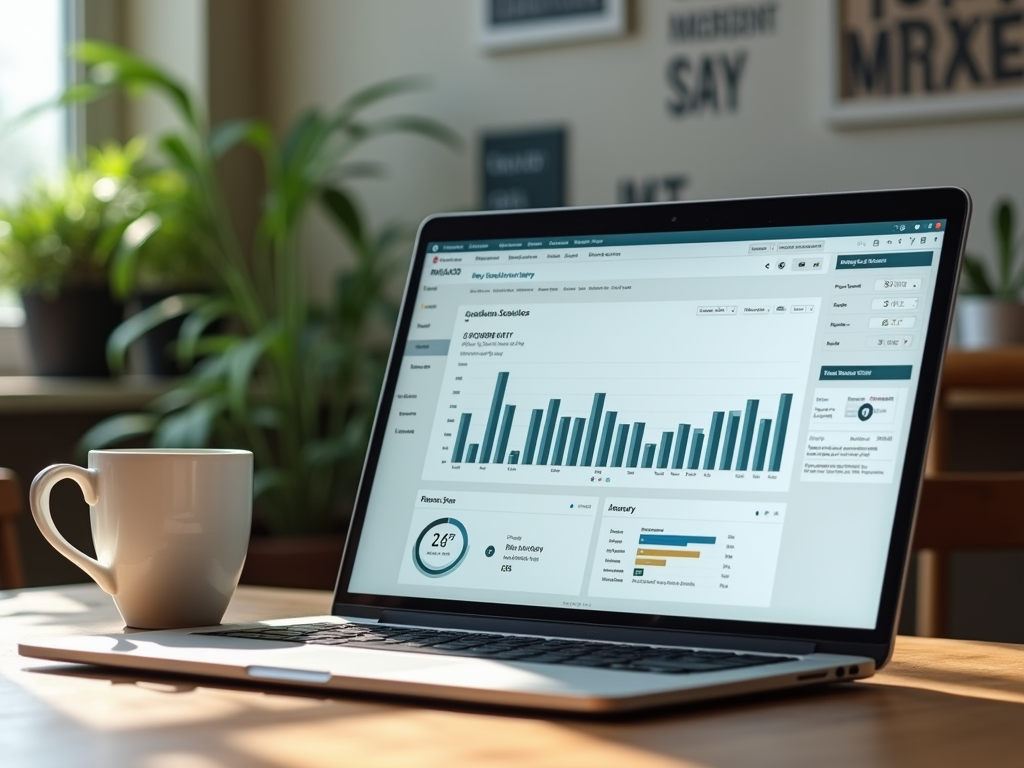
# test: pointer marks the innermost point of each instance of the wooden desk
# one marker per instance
(939, 703)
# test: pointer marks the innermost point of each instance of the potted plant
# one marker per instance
(988, 311)
(291, 380)
(55, 243)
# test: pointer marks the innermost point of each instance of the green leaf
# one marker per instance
(178, 151)
(142, 322)
(190, 427)
(1003, 223)
(125, 262)
(423, 126)
(195, 326)
(976, 280)
(227, 135)
(118, 429)
(374, 93)
(245, 356)
(264, 480)
(343, 209)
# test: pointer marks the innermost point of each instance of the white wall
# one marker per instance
(612, 96)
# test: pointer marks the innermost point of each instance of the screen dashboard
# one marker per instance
(708, 424)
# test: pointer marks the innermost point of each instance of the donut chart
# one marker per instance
(441, 547)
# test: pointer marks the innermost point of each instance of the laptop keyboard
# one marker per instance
(538, 650)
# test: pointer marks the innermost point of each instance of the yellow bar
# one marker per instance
(649, 561)
(669, 552)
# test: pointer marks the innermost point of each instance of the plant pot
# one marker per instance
(983, 322)
(301, 562)
(68, 333)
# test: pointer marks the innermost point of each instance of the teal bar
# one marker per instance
(682, 437)
(885, 260)
(549, 431)
(747, 440)
(732, 427)
(590, 443)
(762, 444)
(620, 445)
(513, 457)
(664, 450)
(779, 440)
(492, 418)
(635, 443)
(460, 437)
(532, 433)
(576, 441)
(865, 372)
(606, 438)
(563, 433)
(648, 460)
(471, 454)
(503, 433)
(714, 436)
(698, 443)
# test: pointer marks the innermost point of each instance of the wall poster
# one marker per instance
(511, 24)
(913, 60)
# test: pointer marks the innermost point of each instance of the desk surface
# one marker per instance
(939, 703)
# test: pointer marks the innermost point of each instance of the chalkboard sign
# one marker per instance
(507, 24)
(525, 169)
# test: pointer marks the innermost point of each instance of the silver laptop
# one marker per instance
(628, 457)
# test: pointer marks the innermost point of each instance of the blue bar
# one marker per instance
(492, 418)
(732, 427)
(675, 541)
(695, 448)
(682, 437)
(762, 444)
(513, 457)
(884, 260)
(576, 441)
(635, 443)
(471, 454)
(648, 460)
(460, 437)
(531, 435)
(747, 440)
(506, 428)
(779, 439)
(549, 431)
(714, 435)
(606, 438)
(590, 443)
(620, 445)
(664, 450)
(563, 433)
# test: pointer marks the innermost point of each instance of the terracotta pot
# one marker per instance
(301, 562)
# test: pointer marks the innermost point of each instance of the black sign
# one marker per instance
(516, 11)
(524, 169)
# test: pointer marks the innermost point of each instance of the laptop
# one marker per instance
(627, 457)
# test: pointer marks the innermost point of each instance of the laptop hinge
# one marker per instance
(596, 632)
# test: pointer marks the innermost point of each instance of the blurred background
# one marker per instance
(521, 103)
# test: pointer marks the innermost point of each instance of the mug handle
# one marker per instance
(39, 500)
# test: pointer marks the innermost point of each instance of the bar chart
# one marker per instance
(629, 394)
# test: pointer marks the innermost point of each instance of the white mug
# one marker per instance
(170, 526)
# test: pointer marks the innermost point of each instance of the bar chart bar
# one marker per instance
(648, 459)
(513, 457)
(779, 440)
(503, 433)
(714, 437)
(560, 438)
(620, 445)
(650, 561)
(532, 434)
(471, 454)
(460, 437)
(576, 441)
(590, 443)
(549, 431)
(688, 553)
(695, 449)
(606, 438)
(682, 438)
(747, 440)
(664, 449)
(667, 540)
(762, 444)
(732, 427)
(492, 418)
(635, 444)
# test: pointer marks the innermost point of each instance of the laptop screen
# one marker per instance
(700, 424)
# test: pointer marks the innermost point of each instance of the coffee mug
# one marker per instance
(170, 527)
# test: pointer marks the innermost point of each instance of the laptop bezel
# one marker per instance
(950, 203)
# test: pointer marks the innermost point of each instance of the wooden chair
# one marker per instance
(959, 510)
(11, 574)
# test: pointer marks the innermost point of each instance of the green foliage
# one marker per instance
(292, 381)
(1008, 281)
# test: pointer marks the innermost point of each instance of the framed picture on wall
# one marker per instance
(511, 24)
(917, 60)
